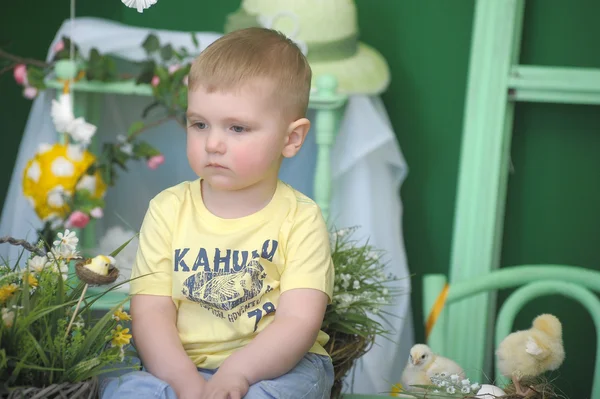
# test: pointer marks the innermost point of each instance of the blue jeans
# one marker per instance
(312, 378)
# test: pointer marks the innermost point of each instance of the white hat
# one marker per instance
(327, 31)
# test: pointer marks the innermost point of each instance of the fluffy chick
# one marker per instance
(101, 264)
(423, 364)
(529, 353)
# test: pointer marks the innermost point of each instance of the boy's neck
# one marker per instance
(232, 204)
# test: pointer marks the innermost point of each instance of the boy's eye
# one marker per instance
(200, 125)
(238, 129)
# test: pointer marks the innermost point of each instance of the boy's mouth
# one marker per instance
(215, 165)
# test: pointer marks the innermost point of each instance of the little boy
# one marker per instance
(234, 268)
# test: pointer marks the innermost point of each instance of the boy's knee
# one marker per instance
(136, 384)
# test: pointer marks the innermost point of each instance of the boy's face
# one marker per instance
(235, 139)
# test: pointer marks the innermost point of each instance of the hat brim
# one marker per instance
(366, 72)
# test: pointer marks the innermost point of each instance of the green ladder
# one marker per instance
(496, 82)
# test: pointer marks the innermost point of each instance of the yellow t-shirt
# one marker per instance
(225, 276)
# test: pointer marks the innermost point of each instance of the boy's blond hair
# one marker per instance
(243, 55)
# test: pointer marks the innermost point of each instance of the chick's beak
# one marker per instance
(416, 361)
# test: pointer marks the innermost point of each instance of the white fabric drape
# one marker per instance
(367, 166)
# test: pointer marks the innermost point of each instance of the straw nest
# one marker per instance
(344, 350)
(541, 386)
(90, 277)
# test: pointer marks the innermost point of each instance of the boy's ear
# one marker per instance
(296, 134)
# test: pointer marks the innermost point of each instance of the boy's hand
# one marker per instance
(224, 385)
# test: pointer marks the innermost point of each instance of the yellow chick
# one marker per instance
(529, 353)
(101, 264)
(423, 364)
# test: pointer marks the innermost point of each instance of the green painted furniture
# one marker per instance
(496, 82)
(534, 281)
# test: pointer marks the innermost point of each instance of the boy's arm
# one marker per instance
(282, 344)
(156, 338)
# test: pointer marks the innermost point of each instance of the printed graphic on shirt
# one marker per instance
(231, 284)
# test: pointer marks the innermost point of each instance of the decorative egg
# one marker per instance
(489, 392)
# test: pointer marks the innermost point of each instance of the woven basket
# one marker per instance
(90, 277)
(87, 389)
(344, 350)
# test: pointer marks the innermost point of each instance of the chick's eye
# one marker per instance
(238, 129)
(423, 357)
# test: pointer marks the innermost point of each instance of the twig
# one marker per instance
(25, 244)
(157, 123)
(7, 68)
(22, 60)
(76, 309)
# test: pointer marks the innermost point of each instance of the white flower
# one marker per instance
(356, 285)
(81, 131)
(34, 172)
(465, 390)
(127, 148)
(454, 377)
(43, 147)
(67, 239)
(62, 167)
(141, 5)
(75, 152)
(97, 213)
(87, 182)
(466, 382)
(62, 113)
(451, 390)
(37, 263)
(475, 387)
(384, 291)
(8, 317)
(56, 197)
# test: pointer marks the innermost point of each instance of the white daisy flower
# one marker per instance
(67, 239)
(37, 263)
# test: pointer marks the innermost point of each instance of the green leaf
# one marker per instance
(195, 40)
(147, 73)
(162, 73)
(116, 251)
(166, 52)
(151, 44)
(135, 127)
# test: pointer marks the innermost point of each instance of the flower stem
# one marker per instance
(76, 309)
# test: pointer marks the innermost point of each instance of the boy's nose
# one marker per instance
(215, 143)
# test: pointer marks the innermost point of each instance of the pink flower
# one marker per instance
(59, 46)
(97, 213)
(173, 68)
(77, 219)
(30, 92)
(155, 81)
(20, 74)
(155, 161)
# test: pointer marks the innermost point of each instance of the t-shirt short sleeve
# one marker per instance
(308, 254)
(151, 272)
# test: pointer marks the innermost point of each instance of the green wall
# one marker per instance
(553, 193)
